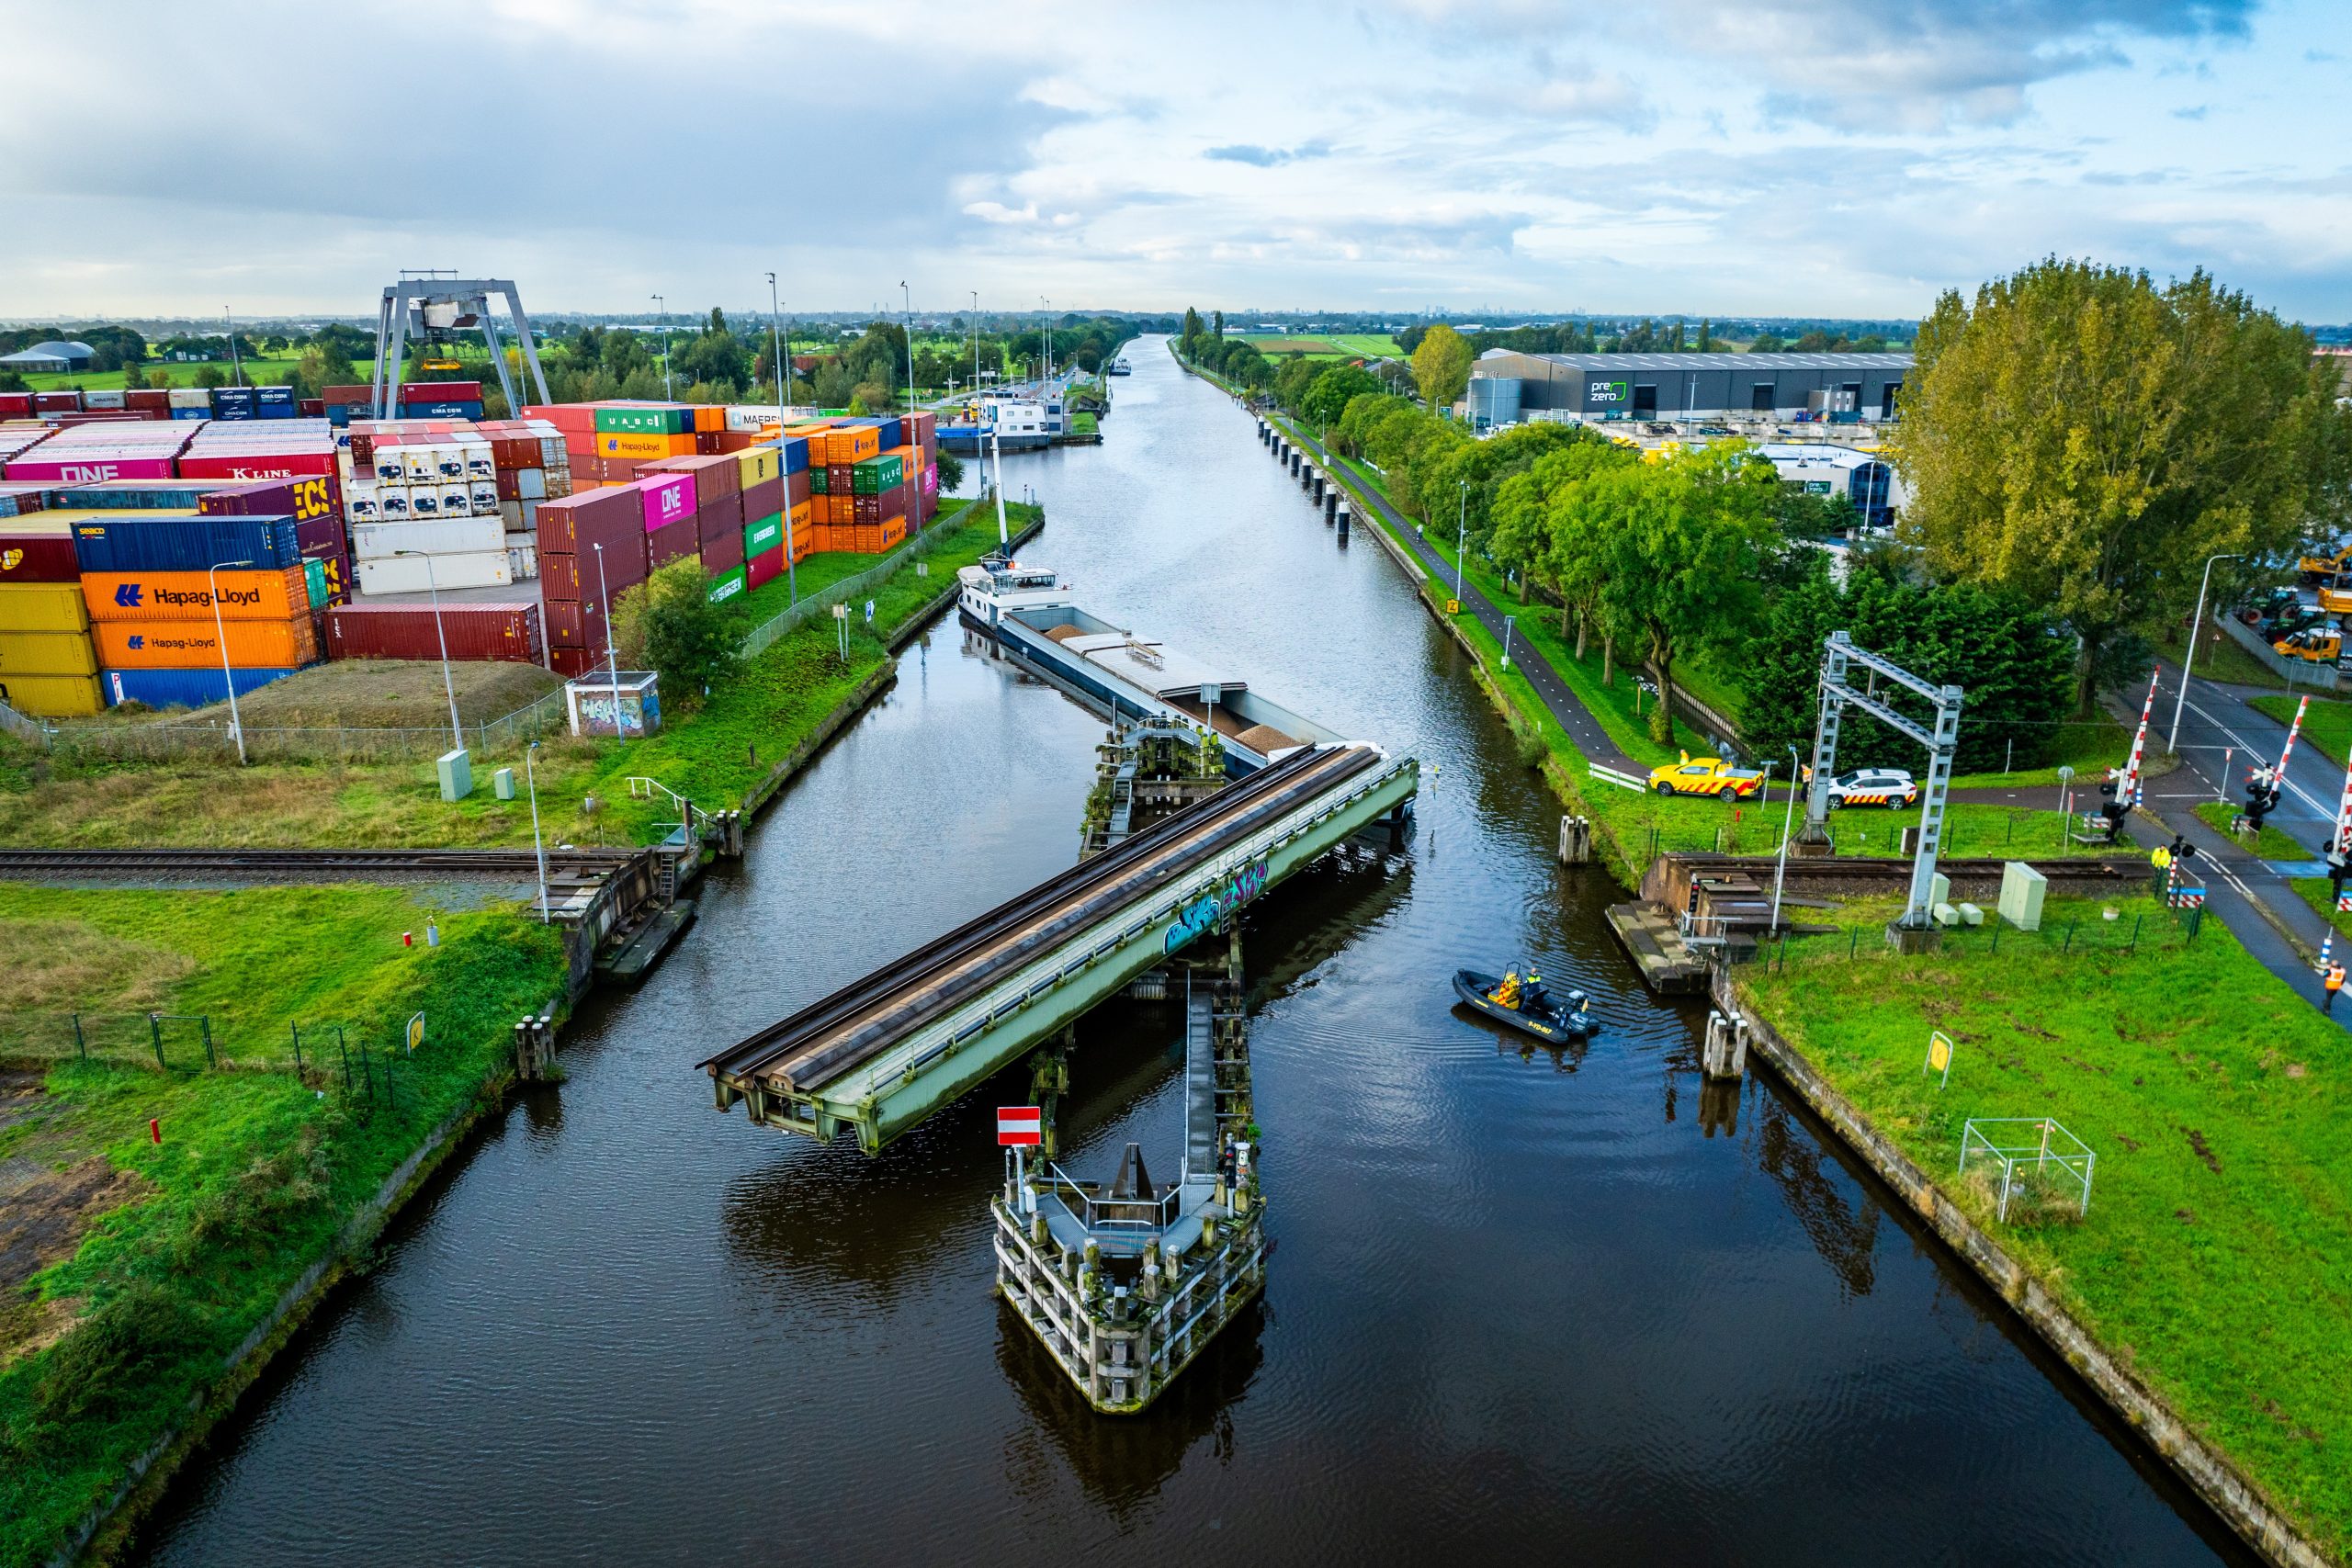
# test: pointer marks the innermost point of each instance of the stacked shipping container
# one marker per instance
(149, 593)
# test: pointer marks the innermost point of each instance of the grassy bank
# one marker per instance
(2271, 844)
(2327, 725)
(136, 1267)
(711, 756)
(2214, 1258)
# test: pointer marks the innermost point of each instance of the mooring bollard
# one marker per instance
(1725, 1052)
(1576, 841)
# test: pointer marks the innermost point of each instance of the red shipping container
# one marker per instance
(567, 523)
(505, 630)
(440, 392)
(575, 623)
(713, 475)
(571, 662)
(302, 498)
(145, 399)
(764, 499)
(16, 405)
(256, 465)
(798, 488)
(665, 545)
(722, 550)
(719, 518)
(57, 403)
(765, 566)
(48, 556)
(559, 577)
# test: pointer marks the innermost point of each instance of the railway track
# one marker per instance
(566, 868)
(853, 1025)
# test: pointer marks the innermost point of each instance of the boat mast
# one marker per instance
(1003, 539)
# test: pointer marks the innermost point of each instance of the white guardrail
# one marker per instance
(1622, 781)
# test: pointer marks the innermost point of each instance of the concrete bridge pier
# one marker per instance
(1576, 841)
(1724, 1055)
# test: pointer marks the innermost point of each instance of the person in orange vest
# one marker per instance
(2335, 982)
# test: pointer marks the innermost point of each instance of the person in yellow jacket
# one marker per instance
(1507, 993)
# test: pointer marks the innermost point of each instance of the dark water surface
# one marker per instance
(1568, 1309)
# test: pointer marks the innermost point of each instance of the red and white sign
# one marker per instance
(1020, 1124)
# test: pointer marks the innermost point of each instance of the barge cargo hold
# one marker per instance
(1028, 614)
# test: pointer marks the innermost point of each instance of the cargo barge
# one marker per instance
(1028, 615)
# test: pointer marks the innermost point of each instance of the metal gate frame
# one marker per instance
(1837, 655)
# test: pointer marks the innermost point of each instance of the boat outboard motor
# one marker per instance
(1577, 1014)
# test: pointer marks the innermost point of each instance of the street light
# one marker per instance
(2188, 655)
(783, 380)
(662, 317)
(1506, 623)
(235, 363)
(612, 657)
(530, 757)
(909, 298)
(1788, 821)
(1461, 538)
(220, 635)
(456, 731)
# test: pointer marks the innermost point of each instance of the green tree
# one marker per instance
(1706, 335)
(1767, 343)
(668, 624)
(1441, 366)
(1189, 344)
(211, 376)
(951, 471)
(2013, 664)
(1536, 520)
(1327, 397)
(1685, 542)
(1410, 338)
(2083, 439)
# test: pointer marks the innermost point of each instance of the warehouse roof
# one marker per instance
(34, 358)
(1715, 361)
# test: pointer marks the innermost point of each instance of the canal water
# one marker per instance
(1566, 1305)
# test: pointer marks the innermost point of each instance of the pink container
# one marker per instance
(91, 467)
(669, 498)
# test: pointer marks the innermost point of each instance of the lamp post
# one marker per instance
(2188, 654)
(1788, 821)
(456, 731)
(530, 760)
(1507, 625)
(909, 317)
(783, 380)
(612, 657)
(1044, 341)
(221, 634)
(235, 363)
(662, 318)
(1461, 538)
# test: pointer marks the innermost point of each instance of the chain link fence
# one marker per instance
(369, 1076)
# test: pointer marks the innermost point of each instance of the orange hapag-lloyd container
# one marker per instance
(279, 595)
(642, 448)
(194, 645)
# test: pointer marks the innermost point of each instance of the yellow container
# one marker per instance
(759, 464)
(46, 653)
(43, 607)
(641, 448)
(52, 696)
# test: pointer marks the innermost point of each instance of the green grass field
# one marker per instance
(2272, 845)
(2327, 725)
(2220, 656)
(1342, 346)
(2215, 1257)
(261, 369)
(143, 1264)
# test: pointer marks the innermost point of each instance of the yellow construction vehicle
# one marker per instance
(2326, 566)
(2318, 645)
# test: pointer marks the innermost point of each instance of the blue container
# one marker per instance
(185, 544)
(796, 454)
(273, 397)
(232, 402)
(892, 430)
(191, 413)
(180, 688)
(171, 497)
(440, 411)
(339, 417)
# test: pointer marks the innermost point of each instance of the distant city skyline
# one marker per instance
(1805, 158)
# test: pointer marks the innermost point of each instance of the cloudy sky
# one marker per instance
(1830, 157)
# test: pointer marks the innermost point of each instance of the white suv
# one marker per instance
(1890, 787)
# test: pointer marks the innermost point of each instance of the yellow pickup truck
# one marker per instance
(1705, 775)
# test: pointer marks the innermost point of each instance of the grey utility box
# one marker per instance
(456, 776)
(501, 783)
(2022, 890)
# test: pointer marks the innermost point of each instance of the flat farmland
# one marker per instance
(1345, 345)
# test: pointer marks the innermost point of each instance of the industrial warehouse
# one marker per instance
(1841, 389)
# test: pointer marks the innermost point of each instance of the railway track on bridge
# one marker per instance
(837, 1035)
